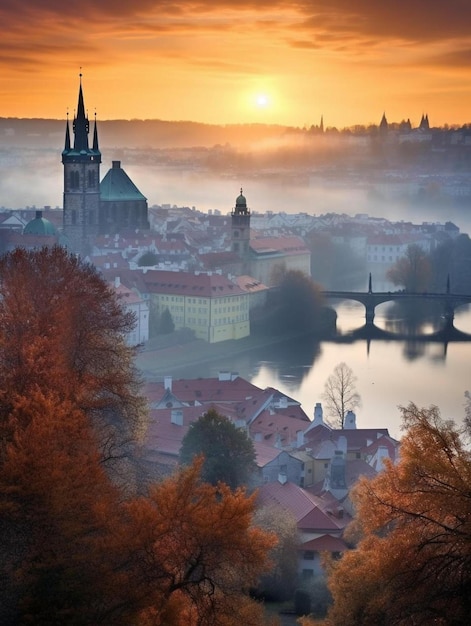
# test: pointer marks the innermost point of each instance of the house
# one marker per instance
(136, 305)
(320, 522)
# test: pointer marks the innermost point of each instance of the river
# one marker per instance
(389, 373)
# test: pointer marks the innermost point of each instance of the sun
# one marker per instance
(262, 101)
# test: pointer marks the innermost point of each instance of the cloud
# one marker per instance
(45, 28)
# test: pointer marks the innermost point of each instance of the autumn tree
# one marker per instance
(75, 551)
(62, 327)
(57, 504)
(412, 564)
(412, 271)
(228, 451)
(196, 553)
(340, 394)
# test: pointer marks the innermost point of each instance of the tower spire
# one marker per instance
(95, 137)
(81, 126)
(67, 134)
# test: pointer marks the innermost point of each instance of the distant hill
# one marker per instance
(50, 133)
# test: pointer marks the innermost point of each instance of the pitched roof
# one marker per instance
(307, 509)
(325, 543)
(117, 186)
(202, 285)
(206, 390)
(279, 245)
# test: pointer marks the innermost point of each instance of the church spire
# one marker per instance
(67, 135)
(81, 126)
(95, 137)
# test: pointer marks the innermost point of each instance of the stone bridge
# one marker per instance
(370, 300)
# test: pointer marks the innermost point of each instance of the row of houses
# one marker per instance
(305, 467)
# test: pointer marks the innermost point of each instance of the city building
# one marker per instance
(264, 258)
(90, 207)
(210, 304)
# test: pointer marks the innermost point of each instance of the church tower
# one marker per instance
(240, 231)
(81, 181)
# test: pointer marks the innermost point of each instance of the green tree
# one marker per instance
(296, 303)
(148, 259)
(167, 325)
(228, 452)
(412, 271)
(340, 394)
(412, 563)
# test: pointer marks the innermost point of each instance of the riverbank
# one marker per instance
(155, 360)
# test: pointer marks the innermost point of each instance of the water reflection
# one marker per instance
(416, 317)
(391, 370)
(291, 361)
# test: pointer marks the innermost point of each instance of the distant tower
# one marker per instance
(81, 182)
(424, 123)
(321, 126)
(383, 125)
(240, 230)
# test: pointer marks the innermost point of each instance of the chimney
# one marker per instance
(177, 417)
(318, 414)
(117, 282)
(116, 165)
(350, 422)
(299, 438)
(168, 383)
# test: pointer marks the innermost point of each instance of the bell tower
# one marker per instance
(81, 181)
(240, 230)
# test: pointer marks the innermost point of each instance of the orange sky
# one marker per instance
(216, 61)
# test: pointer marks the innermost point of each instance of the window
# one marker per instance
(74, 180)
(307, 573)
(308, 555)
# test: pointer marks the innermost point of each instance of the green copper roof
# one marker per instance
(117, 185)
(241, 200)
(39, 226)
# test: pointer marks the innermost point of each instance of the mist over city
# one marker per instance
(235, 313)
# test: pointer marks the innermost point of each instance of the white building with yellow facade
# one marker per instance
(210, 304)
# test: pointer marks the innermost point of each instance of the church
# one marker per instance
(91, 207)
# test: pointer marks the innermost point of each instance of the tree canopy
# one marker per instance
(78, 547)
(412, 271)
(228, 452)
(296, 303)
(412, 564)
(61, 327)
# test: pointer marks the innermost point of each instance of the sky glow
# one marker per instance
(202, 61)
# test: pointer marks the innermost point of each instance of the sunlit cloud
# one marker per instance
(152, 51)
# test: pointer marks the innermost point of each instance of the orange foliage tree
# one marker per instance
(62, 326)
(196, 551)
(412, 564)
(74, 551)
(76, 546)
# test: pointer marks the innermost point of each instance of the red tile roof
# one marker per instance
(208, 285)
(306, 508)
(285, 245)
(325, 543)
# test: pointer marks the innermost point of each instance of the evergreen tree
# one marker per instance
(228, 452)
